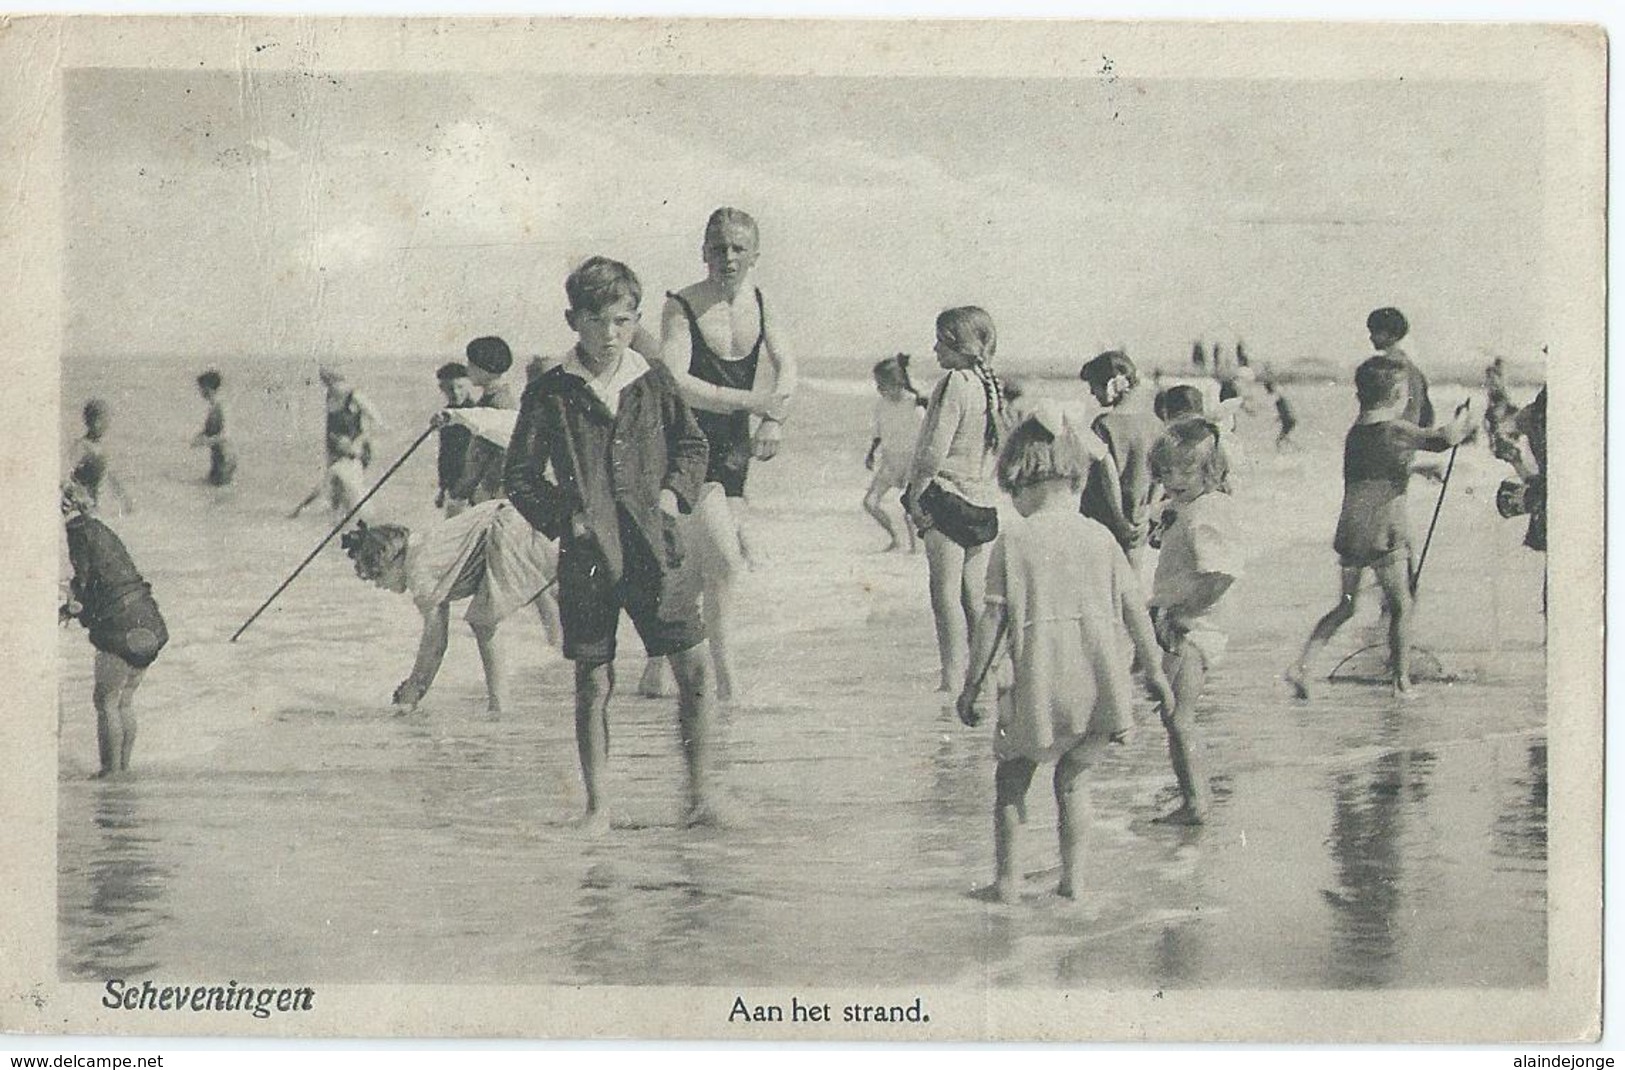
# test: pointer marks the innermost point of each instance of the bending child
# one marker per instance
(1373, 529)
(1201, 558)
(605, 456)
(486, 553)
(113, 602)
(1059, 593)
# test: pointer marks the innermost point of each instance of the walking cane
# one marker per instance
(1450, 465)
(338, 528)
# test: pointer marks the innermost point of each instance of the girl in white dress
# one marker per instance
(1065, 615)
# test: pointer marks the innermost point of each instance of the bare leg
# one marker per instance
(694, 724)
(1010, 798)
(1325, 628)
(721, 565)
(547, 608)
(594, 686)
(873, 506)
(113, 696)
(1396, 587)
(946, 562)
(1188, 674)
(485, 637)
(1072, 808)
(972, 590)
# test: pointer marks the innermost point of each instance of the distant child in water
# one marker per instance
(896, 428)
(1201, 558)
(1283, 412)
(1373, 530)
(488, 554)
(1060, 595)
(109, 597)
(90, 465)
(222, 458)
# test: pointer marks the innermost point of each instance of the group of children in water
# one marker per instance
(618, 488)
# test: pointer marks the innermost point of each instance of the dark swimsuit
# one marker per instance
(728, 432)
(344, 426)
(222, 462)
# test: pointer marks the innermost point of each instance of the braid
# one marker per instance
(994, 391)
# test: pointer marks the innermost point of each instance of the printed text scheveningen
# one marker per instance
(260, 1002)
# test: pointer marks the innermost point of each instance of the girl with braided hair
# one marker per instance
(951, 496)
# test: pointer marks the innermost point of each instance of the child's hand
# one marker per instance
(668, 503)
(767, 439)
(965, 706)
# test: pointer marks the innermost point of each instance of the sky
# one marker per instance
(354, 215)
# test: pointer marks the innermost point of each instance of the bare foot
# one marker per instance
(1404, 691)
(1296, 680)
(701, 815)
(1185, 815)
(1066, 891)
(591, 823)
(1000, 891)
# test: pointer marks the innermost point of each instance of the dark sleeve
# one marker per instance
(544, 504)
(79, 558)
(688, 451)
(478, 459)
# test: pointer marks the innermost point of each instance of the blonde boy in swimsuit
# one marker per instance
(727, 315)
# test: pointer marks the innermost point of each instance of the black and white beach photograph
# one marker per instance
(706, 529)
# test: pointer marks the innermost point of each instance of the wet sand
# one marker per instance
(284, 822)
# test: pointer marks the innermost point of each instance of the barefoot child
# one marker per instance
(950, 496)
(727, 352)
(1373, 527)
(1059, 595)
(1201, 558)
(897, 427)
(486, 553)
(605, 456)
(222, 458)
(351, 422)
(115, 605)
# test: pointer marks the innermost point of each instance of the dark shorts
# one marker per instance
(730, 470)
(664, 603)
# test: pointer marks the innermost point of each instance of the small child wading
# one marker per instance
(1201, 558)
(1373, 529)
(891, 453)
(1060, 594)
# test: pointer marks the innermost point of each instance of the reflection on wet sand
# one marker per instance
(125, 885)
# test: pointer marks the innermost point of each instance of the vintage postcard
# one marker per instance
(861, 530)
